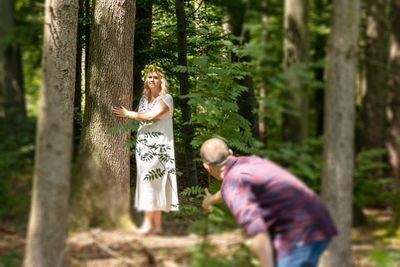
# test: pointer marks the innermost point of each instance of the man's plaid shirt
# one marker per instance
(264, 196)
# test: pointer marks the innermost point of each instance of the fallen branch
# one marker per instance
(150, 257)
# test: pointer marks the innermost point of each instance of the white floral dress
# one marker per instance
(155, 160)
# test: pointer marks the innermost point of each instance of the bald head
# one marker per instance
(215, 152)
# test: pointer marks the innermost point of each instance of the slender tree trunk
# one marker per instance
(373, 101)
(88, 16)
(47, 228)
(263, 90)
(372, 109)
(101, 180)
(78, 79)
(319, 54)
(144, 19)
(393, 133)
(187, 128)
(296, 43)
(11, 78)
(337, 176)
(247, 100)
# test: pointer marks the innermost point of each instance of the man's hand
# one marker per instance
(207, 200)
(211, 199)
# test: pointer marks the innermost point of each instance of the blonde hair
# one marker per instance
(163, 81)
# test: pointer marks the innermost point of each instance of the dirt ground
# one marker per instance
(98, 248)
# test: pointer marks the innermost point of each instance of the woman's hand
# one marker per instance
(120, 112)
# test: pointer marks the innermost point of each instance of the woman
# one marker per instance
(156, 189)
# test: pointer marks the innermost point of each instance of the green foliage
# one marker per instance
(369, 190)
(303, 160)
(384, 258)
(16, 168)
(214, 185)
(197, 191)
(219, 219)
(10, 258)
(29, 16)
(214, 102)
(202, 255)
(131, 125)
(13, 204)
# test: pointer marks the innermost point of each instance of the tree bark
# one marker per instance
(101, 180)
(187, 128)
(337, 176)
(393, 114)
(12, 101)
(373, 101)
(47, 228)
(296, 43)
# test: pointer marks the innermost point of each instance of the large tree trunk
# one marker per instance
(12, 100)
(373, 99)
(393, 133)
(144, 19)
(101, 188)
(187, 129)
(337, 176)
(296, 43)
(47, 228)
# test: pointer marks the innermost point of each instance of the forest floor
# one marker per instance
(175, 247)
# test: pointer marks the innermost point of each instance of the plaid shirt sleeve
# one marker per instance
(242, 202)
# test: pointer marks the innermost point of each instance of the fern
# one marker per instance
(154, 174)
(131, 125)
(214, 99)
(197, 191)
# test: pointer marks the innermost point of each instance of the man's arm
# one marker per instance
(261, 246)
(210, 199)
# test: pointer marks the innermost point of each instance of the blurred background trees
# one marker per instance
(259, 73)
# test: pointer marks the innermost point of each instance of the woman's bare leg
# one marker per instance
(157, 221)
(147, 225)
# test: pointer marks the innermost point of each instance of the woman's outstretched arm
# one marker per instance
(159, 109)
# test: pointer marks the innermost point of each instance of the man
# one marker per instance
(287, 221)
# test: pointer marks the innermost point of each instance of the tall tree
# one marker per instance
(337, 181)
(183, 77)
(373, 101)
(319, 45)
(101, 192)
(12, 100)
(143, 26)
(247, 101)
(296, 43)
(263, 90)
(47, 228)
(393, 133)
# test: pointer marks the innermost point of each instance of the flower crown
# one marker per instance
(150, 67)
